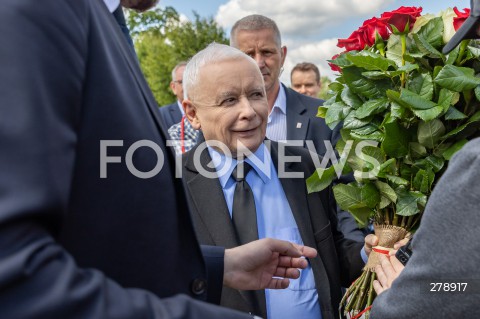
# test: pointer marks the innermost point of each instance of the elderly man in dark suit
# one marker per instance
(292, 116)
(92, 223)
(226, 99)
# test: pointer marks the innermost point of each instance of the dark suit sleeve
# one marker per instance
(43, 57)
(214, 260)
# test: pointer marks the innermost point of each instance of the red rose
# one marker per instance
(460, 18)
(371, 27)
(333, 66)
(354, 42)
(400, 17)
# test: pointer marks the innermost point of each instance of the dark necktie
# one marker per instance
(244, 215)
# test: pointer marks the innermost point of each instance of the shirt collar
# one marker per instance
(280, 101)
(227, 164)
(112, 5)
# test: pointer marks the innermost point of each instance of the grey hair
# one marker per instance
(254, 22)
(213, 53)
(174, 71)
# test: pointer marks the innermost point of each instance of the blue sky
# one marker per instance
(310, 28)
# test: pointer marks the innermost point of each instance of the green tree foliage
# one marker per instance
(325, 81)
(162, 40)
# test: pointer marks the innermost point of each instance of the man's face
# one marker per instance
(176, 85)
(305, 83)
(262, 47)
(229, 104)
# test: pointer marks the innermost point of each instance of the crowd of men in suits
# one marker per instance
(80, 241)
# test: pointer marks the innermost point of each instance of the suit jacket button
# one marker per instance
(199, 286)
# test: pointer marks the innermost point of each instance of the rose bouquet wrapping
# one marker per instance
(405, 109)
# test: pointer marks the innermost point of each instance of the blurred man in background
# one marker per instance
(305, 79)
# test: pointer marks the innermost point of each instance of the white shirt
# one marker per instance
(277, 119)
(112, 4)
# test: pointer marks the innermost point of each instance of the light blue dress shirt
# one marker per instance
(274, 220)
(277, 119)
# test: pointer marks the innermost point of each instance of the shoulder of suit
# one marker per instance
(165, 108)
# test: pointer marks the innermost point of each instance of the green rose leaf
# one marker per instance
(396, 140)
(341, 61)
(321, 179)
(454, 114)
(407, 68)
(430, 114)
(361, 215)
(370, 195)
(448, 154)
(376, 75)
(422, 84)
(429, 133)
(417, 150)
(432, 161)
(475, 52)
(351, 99)
(396, 180)
(394, 49)
(365, 130)
(447, 98)
(348, 196)
(386, 191)
(388, 168)
(322, 111)
(361, 85)
(452, 56)
(336, 113)
(407, 204)
(416, 101)
(432, 32)
(352, 122)
(423, 180)
(456, 78)
(474, 118)
(426, 48)
(477, 92)
(370, 61)
(335, 86)
(372, 107)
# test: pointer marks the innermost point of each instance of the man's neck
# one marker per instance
(272, 96)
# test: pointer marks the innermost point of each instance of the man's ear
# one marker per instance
(284, 53)
(191, 113)
(172, 87)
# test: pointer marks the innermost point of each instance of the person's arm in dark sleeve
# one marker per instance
(43, 57)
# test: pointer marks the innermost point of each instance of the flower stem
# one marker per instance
(463, 47)
(403, 39)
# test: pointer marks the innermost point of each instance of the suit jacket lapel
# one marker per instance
(297, 124)
(214, 212)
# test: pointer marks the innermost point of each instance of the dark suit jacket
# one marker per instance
(68, 81)
(338, 262)
(303, 123)
(170, 115)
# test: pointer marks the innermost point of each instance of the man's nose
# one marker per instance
(259, 58)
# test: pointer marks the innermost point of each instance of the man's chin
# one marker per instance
(247, 146)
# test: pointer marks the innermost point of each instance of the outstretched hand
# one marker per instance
(266, 263)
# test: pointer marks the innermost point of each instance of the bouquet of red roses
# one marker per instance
(405, 109)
